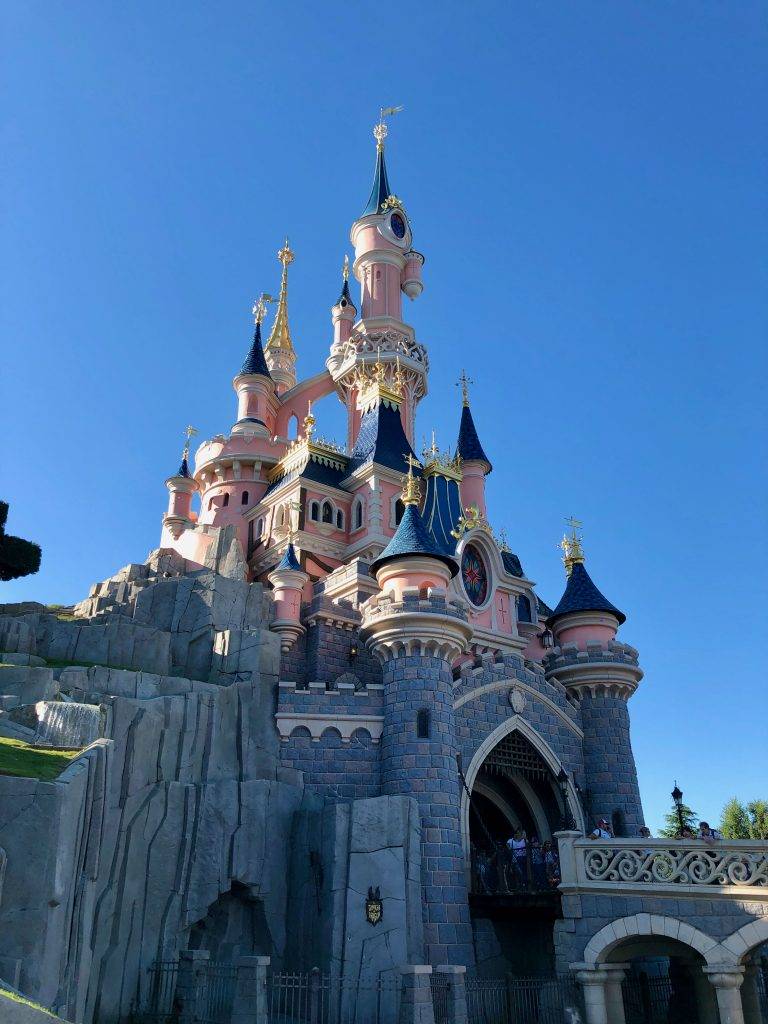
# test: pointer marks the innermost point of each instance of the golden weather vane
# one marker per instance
(188, 434)
(380, 130)
(463, 382)
(573, 552)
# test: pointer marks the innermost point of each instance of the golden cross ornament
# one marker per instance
(463, 382)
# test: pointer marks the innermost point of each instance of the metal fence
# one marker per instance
(542, 1000)
(318, 998)
(659, 1000)
(213, 998)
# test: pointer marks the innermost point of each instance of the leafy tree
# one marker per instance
(758, 813)
(17, 557)
(671, 828)
(740, 822)
(734, 821)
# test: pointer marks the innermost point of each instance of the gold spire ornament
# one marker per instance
(411, 489)
(573, 552)
(280, 335)
(188, 434)
(309, 422)
(345, 269)
(260, 307)
(463, 382)
(380, 130)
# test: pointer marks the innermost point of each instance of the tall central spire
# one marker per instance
(280, 335)
(380, 191)
(279, 351)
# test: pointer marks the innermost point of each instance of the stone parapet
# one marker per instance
(600, 668)
(433, 626)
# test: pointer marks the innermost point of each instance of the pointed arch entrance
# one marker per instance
(511, 783)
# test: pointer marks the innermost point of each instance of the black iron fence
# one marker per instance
(541, 1000)
(206, 995)
(659, 1000)
(318, 998)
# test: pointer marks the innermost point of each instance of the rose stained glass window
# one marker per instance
(474, 575)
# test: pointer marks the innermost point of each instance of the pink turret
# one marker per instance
(343, 312)
(255, 389)
(288, 580)
(181, 487)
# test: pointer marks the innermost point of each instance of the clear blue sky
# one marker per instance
(587, 182)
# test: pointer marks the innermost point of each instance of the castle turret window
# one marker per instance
(399, 511)
(327, 512)
(314, 511)
(244, 498)
(523, 609)
(226, 500)
(339, 519)
(422, 724)
(358, 514)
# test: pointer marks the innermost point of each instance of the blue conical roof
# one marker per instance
(289, 559)
(255, 361)
(380, 439)
(380, 190)
(345, 299)
(581, 595)
(413, 538)
(468, 445)
(184, 468)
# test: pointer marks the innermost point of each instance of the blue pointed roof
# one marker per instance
(255, 361)
(442, 509)
(413, 538)
(468, 445)
(381, 439)
(345, 299)
(289, 559)
(380, 190)
(581, 595)
(184, 468)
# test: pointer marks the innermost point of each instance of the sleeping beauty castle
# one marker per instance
(329, 723)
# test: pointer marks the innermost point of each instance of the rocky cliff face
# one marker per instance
(170, 831)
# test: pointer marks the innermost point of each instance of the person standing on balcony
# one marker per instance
(601, 831)
(708, 834)
(518, 847)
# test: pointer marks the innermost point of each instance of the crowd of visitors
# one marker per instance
(521, 864)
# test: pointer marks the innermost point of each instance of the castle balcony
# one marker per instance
(673, 868)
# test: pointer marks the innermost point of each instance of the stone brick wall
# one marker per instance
(609, 762)
(332, 768)
(328, 649)
(477, 717)
(427, 769)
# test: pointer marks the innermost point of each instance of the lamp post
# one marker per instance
(677, 796)
(567, 822)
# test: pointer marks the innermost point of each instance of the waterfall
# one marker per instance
(61, 724)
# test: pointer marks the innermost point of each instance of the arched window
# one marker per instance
(314, 511)
(293, 427)
(327, 512)
(244, 498)
(339, 519)
(422, 724)
(259, 527)
(399, 511)
(226, 499)
(358, 514)
(523, 609)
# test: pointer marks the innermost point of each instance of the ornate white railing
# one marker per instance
(728, 868)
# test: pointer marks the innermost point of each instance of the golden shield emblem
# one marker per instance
(374, 907)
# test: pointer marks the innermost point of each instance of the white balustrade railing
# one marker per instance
(730, 868)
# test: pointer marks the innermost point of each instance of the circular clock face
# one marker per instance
(397, 224)
(474, 575)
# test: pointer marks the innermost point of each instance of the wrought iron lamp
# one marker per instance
(677, 796)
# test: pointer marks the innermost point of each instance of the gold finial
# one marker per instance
(573, 552)
(345, 268)
(260, 307)
(379, 373)
(463, 382)
(280, 335)
(399, 378)
(411, 489)
(309, 422)
(380, 130)
(188, 433)
(502, 541)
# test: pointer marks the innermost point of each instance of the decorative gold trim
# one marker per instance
(573, 552)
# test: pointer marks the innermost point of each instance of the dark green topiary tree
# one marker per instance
(17, 557)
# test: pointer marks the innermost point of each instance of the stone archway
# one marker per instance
(517, 724)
